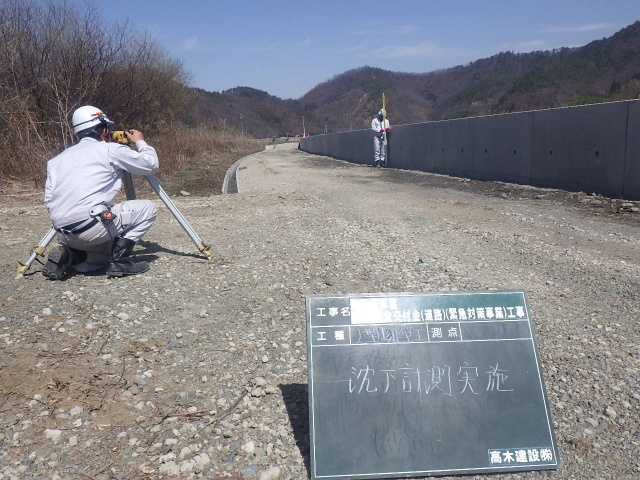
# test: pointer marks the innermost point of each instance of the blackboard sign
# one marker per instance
(407, 385)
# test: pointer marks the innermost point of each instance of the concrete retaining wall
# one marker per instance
(591, 148)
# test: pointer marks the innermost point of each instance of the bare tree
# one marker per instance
(146, 87)
(56, 56)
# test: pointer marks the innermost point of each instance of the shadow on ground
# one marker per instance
(296, 399)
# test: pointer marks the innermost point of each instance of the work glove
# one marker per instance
(381, 130)
(387, 129)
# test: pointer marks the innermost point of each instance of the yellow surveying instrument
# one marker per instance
(120, 137)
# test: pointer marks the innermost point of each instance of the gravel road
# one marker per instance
(198, 369)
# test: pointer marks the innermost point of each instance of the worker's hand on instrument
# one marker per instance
(387, 129)
(134, 135)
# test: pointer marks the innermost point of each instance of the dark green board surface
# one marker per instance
(409, 385)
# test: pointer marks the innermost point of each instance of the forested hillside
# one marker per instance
(603, 70)
(247, 110)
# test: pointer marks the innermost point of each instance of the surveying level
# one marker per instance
(120, 137)
(39, 249)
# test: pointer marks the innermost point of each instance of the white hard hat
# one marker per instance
(381, 112)
(88, 117)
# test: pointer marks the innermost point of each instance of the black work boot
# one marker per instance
(59, 262)
(120, 263)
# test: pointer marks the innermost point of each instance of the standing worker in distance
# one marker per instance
(80, 192)
(381, 128)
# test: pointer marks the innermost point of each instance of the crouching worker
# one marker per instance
(80, 192)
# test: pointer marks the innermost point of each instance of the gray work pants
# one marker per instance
(379, 151)
(133, 220)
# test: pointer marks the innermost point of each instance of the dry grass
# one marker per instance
(197, 159)
(191, 159)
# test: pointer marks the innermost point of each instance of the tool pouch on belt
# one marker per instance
(103, 213)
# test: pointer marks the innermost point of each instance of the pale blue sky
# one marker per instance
(287, 47)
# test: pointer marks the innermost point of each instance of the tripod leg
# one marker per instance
(204, 249)
(129, 188)
(37, 250)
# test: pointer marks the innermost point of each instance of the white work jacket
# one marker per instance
(89, 174)
(376, 124)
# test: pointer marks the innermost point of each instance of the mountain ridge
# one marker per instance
(602, 70)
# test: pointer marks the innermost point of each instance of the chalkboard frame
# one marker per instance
(385, 335)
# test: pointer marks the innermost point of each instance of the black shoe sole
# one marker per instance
(57, 264)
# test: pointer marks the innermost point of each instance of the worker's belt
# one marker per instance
(78, 227)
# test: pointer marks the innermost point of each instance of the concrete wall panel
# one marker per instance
(411, 147)
(351, 147)
(311, 145)
(631, 187)
(454, 147)
(333, 142)
(318, 145)
(362, 146)
(502, 148)
(580, 148)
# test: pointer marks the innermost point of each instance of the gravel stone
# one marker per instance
(198, 368)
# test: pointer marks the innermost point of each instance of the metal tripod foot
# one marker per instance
(38, 250)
